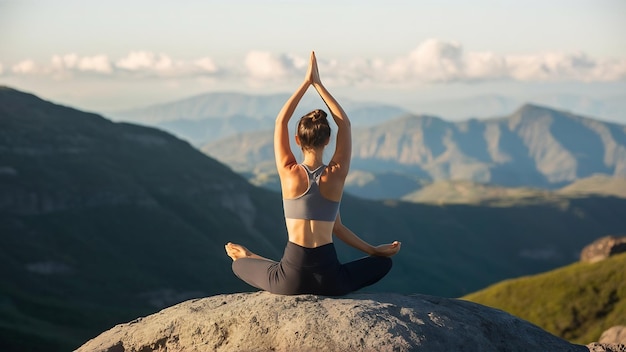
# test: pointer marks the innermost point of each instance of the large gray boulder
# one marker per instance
(359, 322)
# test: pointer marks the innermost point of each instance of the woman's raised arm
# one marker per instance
(282, 148)
(340, 162)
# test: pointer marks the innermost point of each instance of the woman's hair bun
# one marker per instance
(317, 115)
(313, 130)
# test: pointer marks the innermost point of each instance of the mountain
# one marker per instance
(534, 147)
(209, 117)
(489, 105)
(102, 222)
(577, 302)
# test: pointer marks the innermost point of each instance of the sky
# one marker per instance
(113, 55)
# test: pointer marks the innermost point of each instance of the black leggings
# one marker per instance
(311, 271)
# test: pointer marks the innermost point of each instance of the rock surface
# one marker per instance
(615, 334)
(359, 322)
(606, 347)
(603, 248)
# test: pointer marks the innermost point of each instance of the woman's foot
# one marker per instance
(236, 251)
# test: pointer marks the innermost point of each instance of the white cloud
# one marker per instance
(206, 64)
(1, 68)
(69, 62)
(26, 67)
(432, 61)
(161, 65)
(557, 66)
(98, 63)
(265, 66)
(444, 61)
(145, 60)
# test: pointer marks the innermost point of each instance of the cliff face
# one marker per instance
(359, 322)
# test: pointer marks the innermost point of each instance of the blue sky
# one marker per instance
(111, 55)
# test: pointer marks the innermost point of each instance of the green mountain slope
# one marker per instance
(577, 302)
(467, 192)
(596, 184)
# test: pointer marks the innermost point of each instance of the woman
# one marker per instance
(311, 196)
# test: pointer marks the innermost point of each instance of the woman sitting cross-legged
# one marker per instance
(312, 193)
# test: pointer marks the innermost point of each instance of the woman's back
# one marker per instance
(311, 198)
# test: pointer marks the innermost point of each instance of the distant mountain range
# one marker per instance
(208, 117)
(534, 147)
(492, 105)
(101, 222)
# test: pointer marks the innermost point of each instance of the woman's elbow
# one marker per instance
(338, 227)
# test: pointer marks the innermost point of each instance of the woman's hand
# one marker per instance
(387, 250)
(313, 75)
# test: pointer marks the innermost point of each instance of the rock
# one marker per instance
(606, 347)
(603, 248)
(615, 334)
(262, 321)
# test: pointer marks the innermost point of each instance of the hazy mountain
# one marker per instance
(101, 222)
(533, 147)
(208, 117)
(577, 302)
(482, 106)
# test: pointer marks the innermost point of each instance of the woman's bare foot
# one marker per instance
(236, 251)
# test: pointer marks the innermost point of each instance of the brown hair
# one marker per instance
(313, 130)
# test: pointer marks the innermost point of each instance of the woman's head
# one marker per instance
(313, 130)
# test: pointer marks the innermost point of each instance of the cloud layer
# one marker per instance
(433, 61)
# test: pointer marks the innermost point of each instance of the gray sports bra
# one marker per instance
(311, 205)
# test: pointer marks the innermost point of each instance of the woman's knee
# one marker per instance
(386, 264)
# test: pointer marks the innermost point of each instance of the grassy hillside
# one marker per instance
(467, 192)
(577, 302)
(596, 184)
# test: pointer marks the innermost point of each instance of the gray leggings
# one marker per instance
(311, 271)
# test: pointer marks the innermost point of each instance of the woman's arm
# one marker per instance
(350, 238)
(282, 148)
(343, 148)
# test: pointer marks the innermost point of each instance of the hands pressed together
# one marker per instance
(312, 75)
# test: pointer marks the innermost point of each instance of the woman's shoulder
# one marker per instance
(337, 170)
